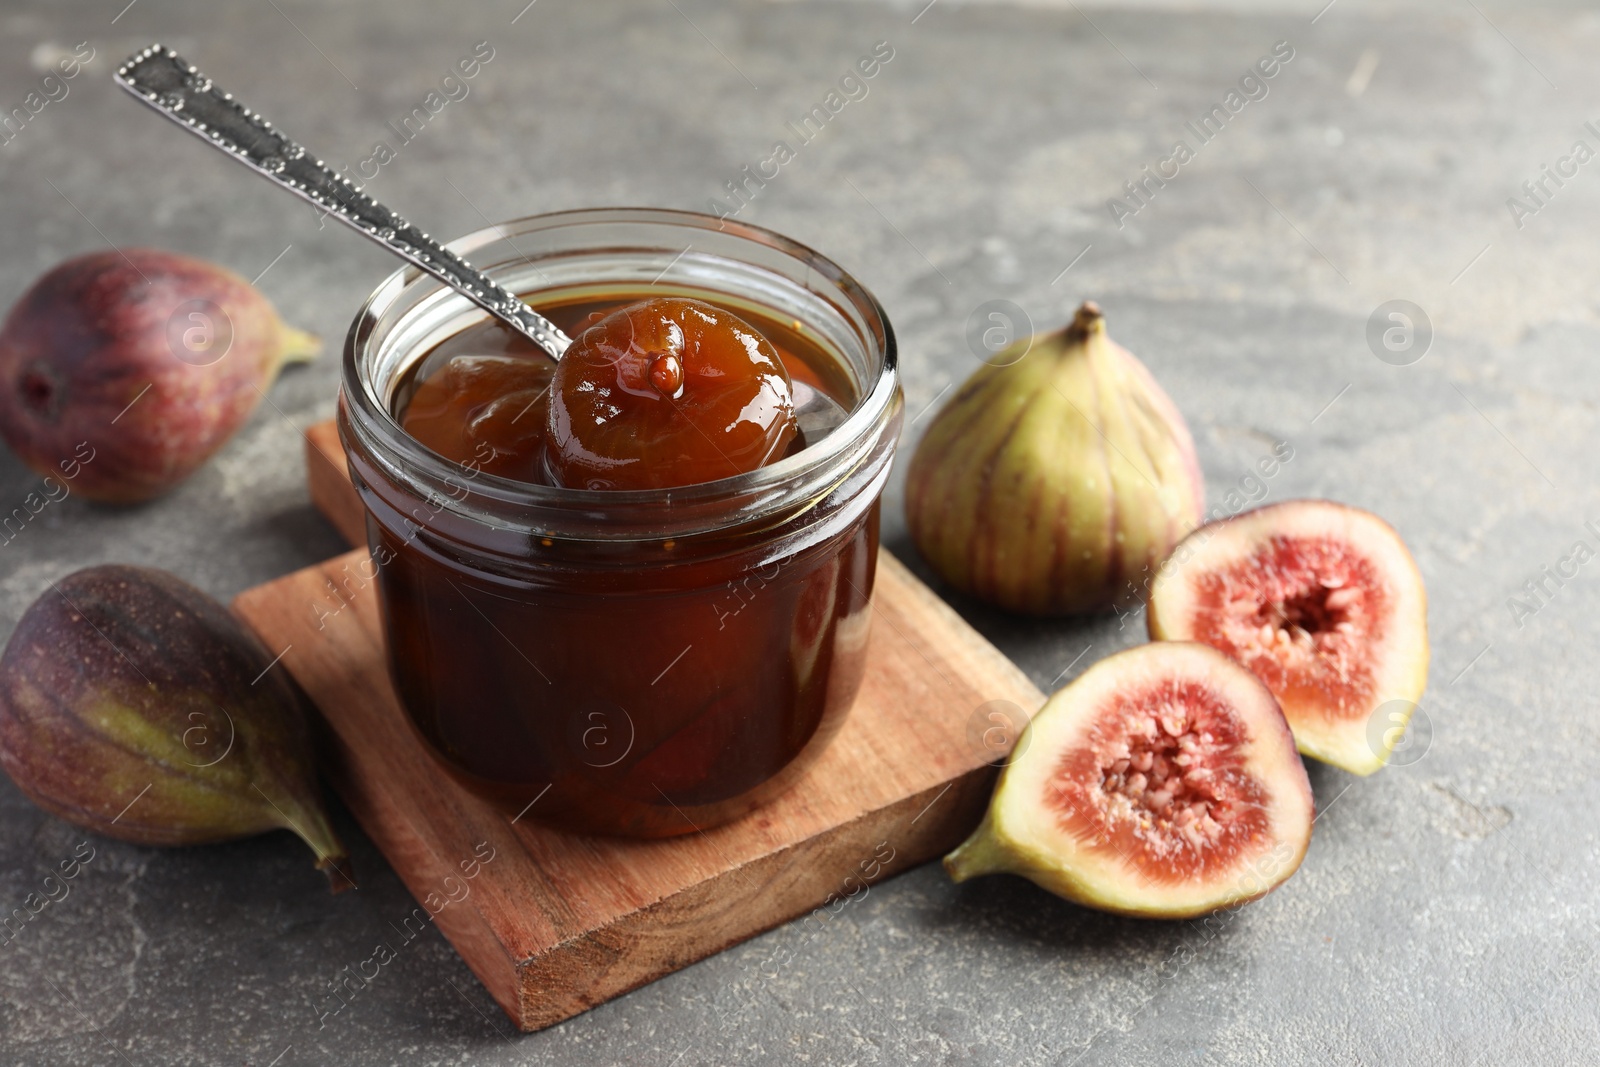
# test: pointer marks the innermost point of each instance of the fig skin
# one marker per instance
(85, 341)
(1056, 483)
(1397, 662)
(135, 706)
(1023, 834)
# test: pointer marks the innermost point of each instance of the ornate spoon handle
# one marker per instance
(160, 78)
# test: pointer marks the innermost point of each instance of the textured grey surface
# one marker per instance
(1440, 915)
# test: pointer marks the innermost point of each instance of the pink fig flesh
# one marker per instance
(1161, 783)
(1324, 604)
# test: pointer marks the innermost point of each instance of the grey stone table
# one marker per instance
(1446, 911)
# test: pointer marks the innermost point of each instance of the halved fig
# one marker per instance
(1320, 601)
(1161, 783)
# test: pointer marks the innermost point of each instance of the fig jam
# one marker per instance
(488, 398)
(648, 686)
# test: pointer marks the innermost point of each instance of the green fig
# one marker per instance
(134, 705)
(128, 369)
(1057, 479)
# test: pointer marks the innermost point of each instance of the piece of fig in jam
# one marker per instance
(664, 393)
(486, 412)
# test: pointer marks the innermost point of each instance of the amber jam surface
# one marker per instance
(648, 687)
(653, 393)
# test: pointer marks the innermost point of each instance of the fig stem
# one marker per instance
(299, 346)
(312, 826)
(978, 854)
(339, 879)
(1088, 319)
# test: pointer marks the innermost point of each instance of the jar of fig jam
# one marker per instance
(633, 662)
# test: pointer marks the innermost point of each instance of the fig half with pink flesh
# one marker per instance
(1161, 783)
(1320, 601)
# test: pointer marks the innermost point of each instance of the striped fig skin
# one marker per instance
(91, 354)
(1058, 483)
(135, 706)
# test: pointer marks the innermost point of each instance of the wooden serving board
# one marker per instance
(555, 923)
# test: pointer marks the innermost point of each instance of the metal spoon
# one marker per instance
(160, 78)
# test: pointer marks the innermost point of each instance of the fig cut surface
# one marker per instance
(1324, 604)
(1162, 783)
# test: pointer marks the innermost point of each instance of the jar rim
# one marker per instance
(367, 415)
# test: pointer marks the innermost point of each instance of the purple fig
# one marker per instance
(134, 705)
(146, 361)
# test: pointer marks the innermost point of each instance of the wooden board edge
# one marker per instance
(464, 925)
(328, 479)
(788, 882)
(992, 659)
(461, 925)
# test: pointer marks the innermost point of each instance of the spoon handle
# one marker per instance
(160, 78)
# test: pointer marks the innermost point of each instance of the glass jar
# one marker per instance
(642, 663)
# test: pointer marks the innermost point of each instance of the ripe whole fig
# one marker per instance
(152, 358)
(134, 705)
(1056, 478)
(1324, 604)
(1163, 782)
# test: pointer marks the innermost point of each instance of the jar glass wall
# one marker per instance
(642, 663)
